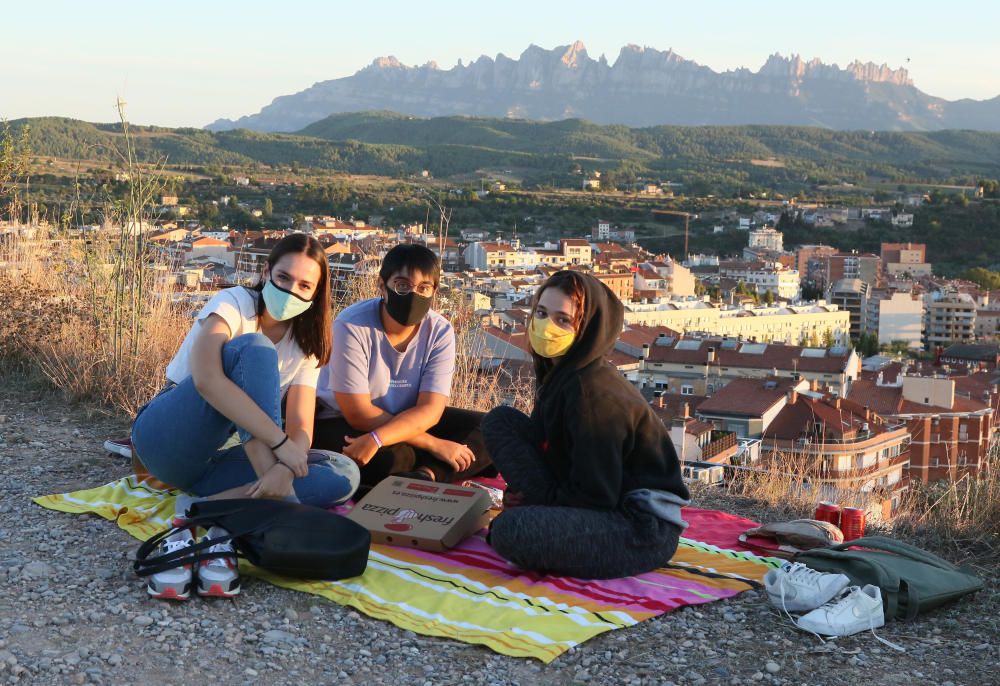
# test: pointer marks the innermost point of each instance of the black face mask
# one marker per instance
(408, 309)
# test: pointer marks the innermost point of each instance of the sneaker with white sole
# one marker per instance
(856, 609)
(119, 446)
(172, 584)
(219, 577)
(794, 587)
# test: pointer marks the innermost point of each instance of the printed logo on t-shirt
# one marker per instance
(400, 383)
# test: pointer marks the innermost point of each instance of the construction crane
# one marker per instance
(677, 213)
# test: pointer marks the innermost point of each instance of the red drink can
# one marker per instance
(852, 523)
(828, 512)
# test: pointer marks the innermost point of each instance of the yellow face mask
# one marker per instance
(548, 339)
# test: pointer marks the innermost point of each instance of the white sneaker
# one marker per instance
(797, 588)
(856, 609)
(172, 584)
(219, 577)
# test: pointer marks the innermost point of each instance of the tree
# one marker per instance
(983, 277)
(768, 297)
(828, 339)
(899, 347)
(268, 207)
(867, 344)
(15, 152)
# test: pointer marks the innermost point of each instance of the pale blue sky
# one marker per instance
(186, 63)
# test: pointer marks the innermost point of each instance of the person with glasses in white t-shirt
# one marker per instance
(382, 400)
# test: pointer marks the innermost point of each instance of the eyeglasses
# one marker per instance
(402, 287)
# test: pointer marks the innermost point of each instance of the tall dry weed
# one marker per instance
(961, 517)
(787, 483)
(86, 311)
(60, 298)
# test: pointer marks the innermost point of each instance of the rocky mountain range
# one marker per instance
(643, 87)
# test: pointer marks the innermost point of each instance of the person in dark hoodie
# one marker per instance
(594, 486)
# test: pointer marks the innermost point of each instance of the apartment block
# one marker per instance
(829, 269)
(847, 453)
(763, 277)
(851, 295)
(950, 434)
(895, 316)
(807, 323)
(703, 366)
(766, 238)
(908, 259)
(949, 319)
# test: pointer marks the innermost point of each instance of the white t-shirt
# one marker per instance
(238, 307)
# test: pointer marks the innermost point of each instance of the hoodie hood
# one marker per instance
(600, 327)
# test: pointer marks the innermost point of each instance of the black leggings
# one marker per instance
(460, 426)
(572, 541)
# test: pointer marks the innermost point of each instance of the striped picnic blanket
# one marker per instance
(470, 594)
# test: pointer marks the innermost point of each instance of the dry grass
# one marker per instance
(960, 518)
(778, 484)
(64, 321)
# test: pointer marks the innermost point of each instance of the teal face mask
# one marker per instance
(282, 304)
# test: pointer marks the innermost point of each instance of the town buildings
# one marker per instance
(703, 366)
(763, 277)
(807, 323)
(950, 434)
(840, 451)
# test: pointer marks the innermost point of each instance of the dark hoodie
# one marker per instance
(602, 439)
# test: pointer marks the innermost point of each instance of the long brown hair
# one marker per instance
(311, 329)
(570, 283)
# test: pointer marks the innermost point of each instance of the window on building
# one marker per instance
(687, 389)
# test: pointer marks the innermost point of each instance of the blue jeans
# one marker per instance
(179, 437)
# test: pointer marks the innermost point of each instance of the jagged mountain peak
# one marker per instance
(869, 71)
(644, 86)
(387, 62)
(575, 54)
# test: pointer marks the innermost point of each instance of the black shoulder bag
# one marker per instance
(285, 538)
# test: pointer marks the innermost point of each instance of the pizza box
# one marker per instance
(422, 514)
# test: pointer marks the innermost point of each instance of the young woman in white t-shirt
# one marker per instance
(216, 428)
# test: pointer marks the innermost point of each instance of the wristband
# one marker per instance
(280, 443)
(378, 441)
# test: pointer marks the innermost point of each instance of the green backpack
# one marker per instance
(912, 580)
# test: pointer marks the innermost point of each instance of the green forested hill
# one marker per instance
(709, 159)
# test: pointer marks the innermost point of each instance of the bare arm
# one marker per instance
(300, 412)
(409, 426)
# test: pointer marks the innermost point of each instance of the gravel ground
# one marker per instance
(71, 612)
